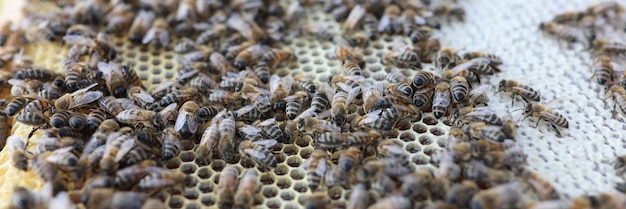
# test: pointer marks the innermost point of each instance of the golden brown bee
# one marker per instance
(117, 146)
(527, 93)
(18, 153)
(568, 17)
(392, 201)
(280, 87)
(544, 113)
(158, 35)
(603, 8)
(32, 118)
(5, 32)
(275, 56)
(244, 197)
(388, 22)
(470, 69)
(210, 35)
(304, 83)
(481, 130)
(114, 79)
(349, 159)
(567, 33)
(160, 179)
(171, 144)
(258, 152)
(107, 197)
(317, 200)
(110, 105)
(223, 97)
(315, 167)
(179, 96)
(602, 70)
(185, 45)
(446, 58)
(226, 145)
(351, 68)
(441, 99)
(127, 177)
(602, 46)
(187, 121)
(35, 73)
(618, 95)
(459, 88)
(272, 130)
(358, 39)
(219, 62)
(319, 31)
(142, 22)
(130, 76)
(402, 57)
(78, 98)
(227, 186)
(501, 196)
(209, 139)
(139, 117)
(371, 95)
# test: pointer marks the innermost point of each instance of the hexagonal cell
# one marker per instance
(290, 150)
(335, 193)
(306, 152)
(281, 170)
(429, 120)
(246, 163)
(407, 137)
(188, 168)
(403, 125)
(280, 157)
(413, 148)
(187, 156)
(429, 151)
(192, 205)
(172, 163)
(267, 179)
(421, 159)
(303, 141)
(425, 140)
(206, 187)
(283, 183)
(191, 181)
(290, 206)
(297, 174)
(204, 173)
(391, 134)
(273, 204)
(207, 200)
(287, 195)
(190, 194)
(176, 201)
(437, 131)
(218, 165)
(269, 191)
(300, 187)
(294, 161)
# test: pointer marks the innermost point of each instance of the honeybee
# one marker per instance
(210, 35)
(78, 98)
(187, 122)
(5, 32)
(459, 88)
(388, 21)
(619, 165)
(370, 26)
(484, 114)
(567, 33)
(392, 201)
(341, 100)
(16, 105)
(179, 96)
(319, 31)
(160, 179)
(449, 10)
(258, 152)
(358, 39)
(542, 187)
(227, 186)
(470, 69)
(568, 17)
(294, 104)
(544, 113)
(527, 93)
(359, 198)
(603, 70)
(142, 22)
(226, 144)
(116, 147)
(209, 139)
(446, 58)
(494, 60)
(272, 130)
(247, 28)
(32, 118)
(158, 35)
(35, 73)
(127, 177)
(402, 57)
(98, 197)
(353, 18)
(501, 196)
(244, 197)
(315, 167)
(18, 153)
(114, 79)
(139, 117)
(441, 99)
(602, 46)
(304, 83)
(185, 45)
(280, 87)
(371, 95)
(275, 56)
(618, 95)
(171, 144)
(349, 158)
(481, 130)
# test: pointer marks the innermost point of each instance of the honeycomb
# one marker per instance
(580, 163)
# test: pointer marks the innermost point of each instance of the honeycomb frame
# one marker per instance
(571, 163)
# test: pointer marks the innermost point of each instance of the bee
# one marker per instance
(459, 88)
(477, 171)
(319, 102)
(448, 10)
(16, 105)
(481, 130)
(603, 8)
(98, 197)
(219, 62)
(318, 31)
(258, 152)
(114, 79)
(161, 179)
(544, 113)
(294, 104)
(110, 105)
(527, 93)
(209, 139)
(187, 121)
(304, 83)
(461, 193)
(542, 187)
(351, 68)
(223, 97)
(618, 95)
(77, 121)
(78, 98)
(370, 26)
(226, 144)
(247, 28)
(118, 19)
(116, 147)
(420, 34)
(483, 114)
(501, 196)
(272, 130)
(349, 159)
(5, 32)
(567, 33)
(568, 17)
(35, 73)
(203, 83)
(619, 165)
(227, 186)
(210, 35)
(139, 117)
(32, 118)
(185, 45)
(494, 60)
(263, 71)
(179, 96)
(441, 99)
(171, 144)
(22, 197)
(126, 177)
(315, 167)
(317, 200)
(388, 21)
(388, 149)
(470, 69)
(340, 101)
(601, 46)
(130, 76)
(141, 24)
(280, 87)
(392, 201)
(446, 58)
(402, 57)
(275, 56)
(371, 95)
(244, 197)
(18, 153)
(158, 35)
(359, 198)
(603, 70)
(358, 39)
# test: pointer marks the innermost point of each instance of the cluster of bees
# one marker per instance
(588, 27)
(106, 136)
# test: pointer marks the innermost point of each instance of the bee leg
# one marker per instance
(537, 124)
(558, 133)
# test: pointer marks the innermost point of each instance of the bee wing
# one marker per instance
(344, 87)
(15, 142)
(128, 104)
(478, 91)
(383, 23)
(480, 111)
(310, 112)
(267, 122)
(329, 127)
(86, 98)
(163, 86)
(168, 109)
(258, 154)
(125, 148)
(188, 74)
(84, 89)
(354, 17)
(249, 130)
(164, 37)
(245, 109)
(57, 155)
(143, 95)
(149, 36)
(370, 117)
(267, 143)
(324, 114)
(321, 167)
(394, 149)
(464, 66)
(180, 120)
(19, 83)
(79, 40)
(61, 200)
(352, 94)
